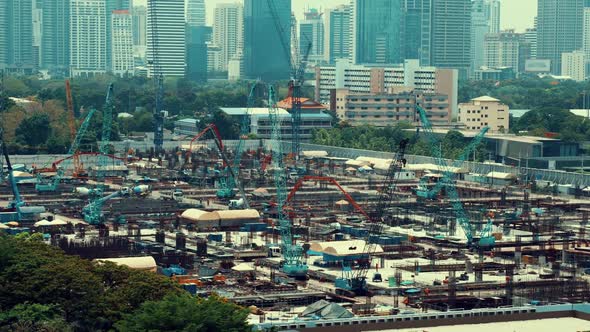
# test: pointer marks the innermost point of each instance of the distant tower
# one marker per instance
(228, 32)
(88, 28)
(195, 12)
(166, 19)
(311, 29)
(337, 33)
(55, 39)
(121, 43)
(16, 35)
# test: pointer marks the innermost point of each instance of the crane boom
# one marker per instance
(293, 264)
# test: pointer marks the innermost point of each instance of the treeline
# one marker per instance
(42, 289)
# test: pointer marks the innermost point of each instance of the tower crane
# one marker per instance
(72, 125)
(293, 264)
(485, 239)
(354, 281)
(158, 84)
(297, 70)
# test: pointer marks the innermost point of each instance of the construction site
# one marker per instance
(301, 235)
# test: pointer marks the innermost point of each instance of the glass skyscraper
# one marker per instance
(264, 54)
(376, 31)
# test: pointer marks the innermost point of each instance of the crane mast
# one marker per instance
(293, 264)
(158, 83)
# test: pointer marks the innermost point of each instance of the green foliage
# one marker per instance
(190, 314)
(34, 131)
(87, 295)
(34, 317)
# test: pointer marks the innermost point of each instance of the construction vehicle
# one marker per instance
(354, 281)
(173, 195)
(297, 76)
(423, 192)
(73, 152)
(485, 239)
(17, 209)
(293, 264)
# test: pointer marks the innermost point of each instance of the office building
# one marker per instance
(494, 74)
(387, 109)
(166, 46)
(37, 31)
(492, 14)
(506, 49)
(485, 111)
(55, 40)
(337, 34)
(559, 29)
(16, 36)
(311, 36)
(139, 26)
(361, 79)
(122, 62)
(417, 30)
(376, 31)
(451, 35)
(88, 41)
(573, 64)
(530, 36)
(112, 5)
(480, 26)
(265, 56)
(235, 68)
(195, 12)
(228, 32)
(197, 52)
(586, 36)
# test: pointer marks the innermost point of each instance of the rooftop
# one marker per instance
(485, 99)
(237, 111)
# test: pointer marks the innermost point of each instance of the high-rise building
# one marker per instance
(376, 32)
(416, 29)
(265, 56)
(505, 49)
(55, 40)
(112, 5)
(480, 26)
(586, 34)
(451, 35)
(139, 26)
(559, 29)
(530, 37)
(88, 41)
(573, 64)
(195, 12)
(37, 31)
(197, 47)
(228, 32)
(16, 36)
(492, 14)
(166, 37)
(337, 33)
(311, 33)
(121, 43)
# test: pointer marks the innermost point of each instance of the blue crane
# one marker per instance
(158, 81)
(293, 264)
(485, 238)
(423, 191)
(53, 185)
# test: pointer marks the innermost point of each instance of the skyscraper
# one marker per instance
(451, 35)
(492, 14)
(559, 29)
(376, 31)
(88, 41)
(16, 35)
(311, 33)
(504, 49)
(195, 12)
(480, 26)
(265, 56)
(197, 40)
(417, 30)
(55, 40)
(337, 33)
(37, 30)
(139, 26)
(110, 6)
(166, 37)
(121, 43)
(530, 37)
(586, 34)
(228, 32)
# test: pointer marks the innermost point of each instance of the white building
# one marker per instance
(88, 37)
(530, 36)
(337, 34)
(122, 43)
(369, 79)
(485, 111)
(235, 68)
(573, 64)
(166, 46)
(228, 32)
(503, 49)
(492, 9)
(195, 12)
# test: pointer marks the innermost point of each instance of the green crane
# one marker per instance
(293, 264)
(485, 239)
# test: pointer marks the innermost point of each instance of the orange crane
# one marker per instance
(78, 167)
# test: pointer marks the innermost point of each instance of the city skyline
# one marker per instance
(515, 14)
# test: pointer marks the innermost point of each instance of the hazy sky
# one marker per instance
(517, 14)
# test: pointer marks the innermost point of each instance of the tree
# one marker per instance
(190, 314)
(35, 130)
